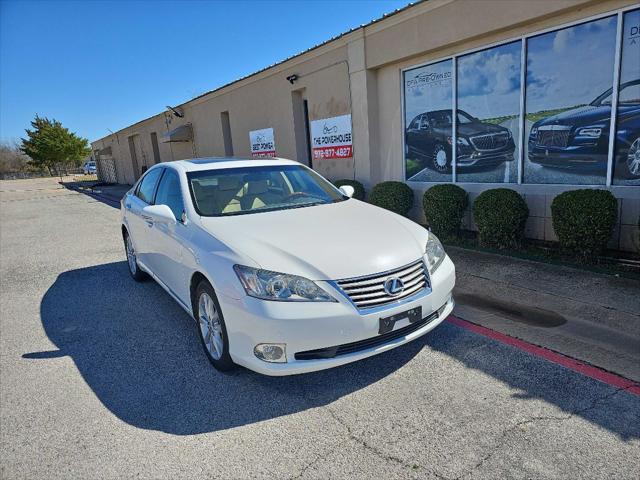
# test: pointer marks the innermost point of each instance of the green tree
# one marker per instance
(52, 146)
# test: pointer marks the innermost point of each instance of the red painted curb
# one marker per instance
(551, 356)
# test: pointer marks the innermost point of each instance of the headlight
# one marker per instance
(589, 132)
(435, 253)
(281, 287)
(459, 141)
(534, 132)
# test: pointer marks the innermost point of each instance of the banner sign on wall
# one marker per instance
(331, 137)
(262, 143)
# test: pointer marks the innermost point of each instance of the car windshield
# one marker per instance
(237, 191)
(440, 118)
(464, 117)
(629, 93)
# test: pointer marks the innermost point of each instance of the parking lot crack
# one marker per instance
(376, 451)
(318, 459)
(520, 427)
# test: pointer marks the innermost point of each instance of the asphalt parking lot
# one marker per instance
(105, 378)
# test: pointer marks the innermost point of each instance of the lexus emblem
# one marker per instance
(393, 286)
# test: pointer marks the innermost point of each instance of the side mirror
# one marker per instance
(348, 190)
(159, 214)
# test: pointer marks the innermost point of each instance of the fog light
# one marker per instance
(271, 352)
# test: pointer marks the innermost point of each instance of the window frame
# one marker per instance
(523, 39)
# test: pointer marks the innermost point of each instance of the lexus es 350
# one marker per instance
(283, 272)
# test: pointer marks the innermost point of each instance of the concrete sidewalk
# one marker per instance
(588, 316)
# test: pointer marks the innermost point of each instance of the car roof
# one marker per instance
(214, 163)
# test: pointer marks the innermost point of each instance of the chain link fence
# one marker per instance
(106, 168)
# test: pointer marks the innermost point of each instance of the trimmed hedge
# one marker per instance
(583, 220)
(444, 207)
(394, 196)
(357, 186)
(500, 215)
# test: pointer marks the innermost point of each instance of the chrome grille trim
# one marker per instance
(490, 141)
(368, 291)
(553, 136)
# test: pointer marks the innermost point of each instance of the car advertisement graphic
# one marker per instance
(429, 137)
(579, 138)
(568, 103)
(262, 142)
(567, 110)
(428, 119)
(331, 138)
(626, 169)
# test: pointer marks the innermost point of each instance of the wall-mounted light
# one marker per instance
(292, 78)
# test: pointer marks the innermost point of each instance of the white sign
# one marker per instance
(331, 137)
(263, 143)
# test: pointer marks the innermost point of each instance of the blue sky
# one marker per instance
(571, 66)
(95, 65)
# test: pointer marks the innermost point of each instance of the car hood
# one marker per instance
(323, 242)
(578, 117)
(477, 128)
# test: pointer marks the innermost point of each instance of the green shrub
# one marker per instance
(358, 187)
(444, 207)
(394, 196)
(583, 220)
(500, 215)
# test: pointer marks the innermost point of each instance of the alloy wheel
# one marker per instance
(440, 159)
(210, 326)
(131, 256)
(633, 158)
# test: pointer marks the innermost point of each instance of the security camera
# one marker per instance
(292, 78)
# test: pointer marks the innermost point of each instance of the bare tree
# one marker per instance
(12, 159)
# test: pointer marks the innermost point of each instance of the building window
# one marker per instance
(534, 110)
(626, 165)
(488, 115)
(568, 104)
(428, 116)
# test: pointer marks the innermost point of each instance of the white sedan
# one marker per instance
(283, 272)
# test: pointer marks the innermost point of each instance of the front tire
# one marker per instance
(441, 159)
(631, 164)
(132, 261)
(213, 330)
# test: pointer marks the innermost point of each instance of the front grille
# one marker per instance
(491, 141)
(354, 347)
(369, 292)
(553, 138)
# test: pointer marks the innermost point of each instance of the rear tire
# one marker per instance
(132, 261)
(212, 329)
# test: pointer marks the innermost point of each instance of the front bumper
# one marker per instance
(308, 326)
(581, 156)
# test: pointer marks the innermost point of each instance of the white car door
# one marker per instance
(167, 241)
(139, 228)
